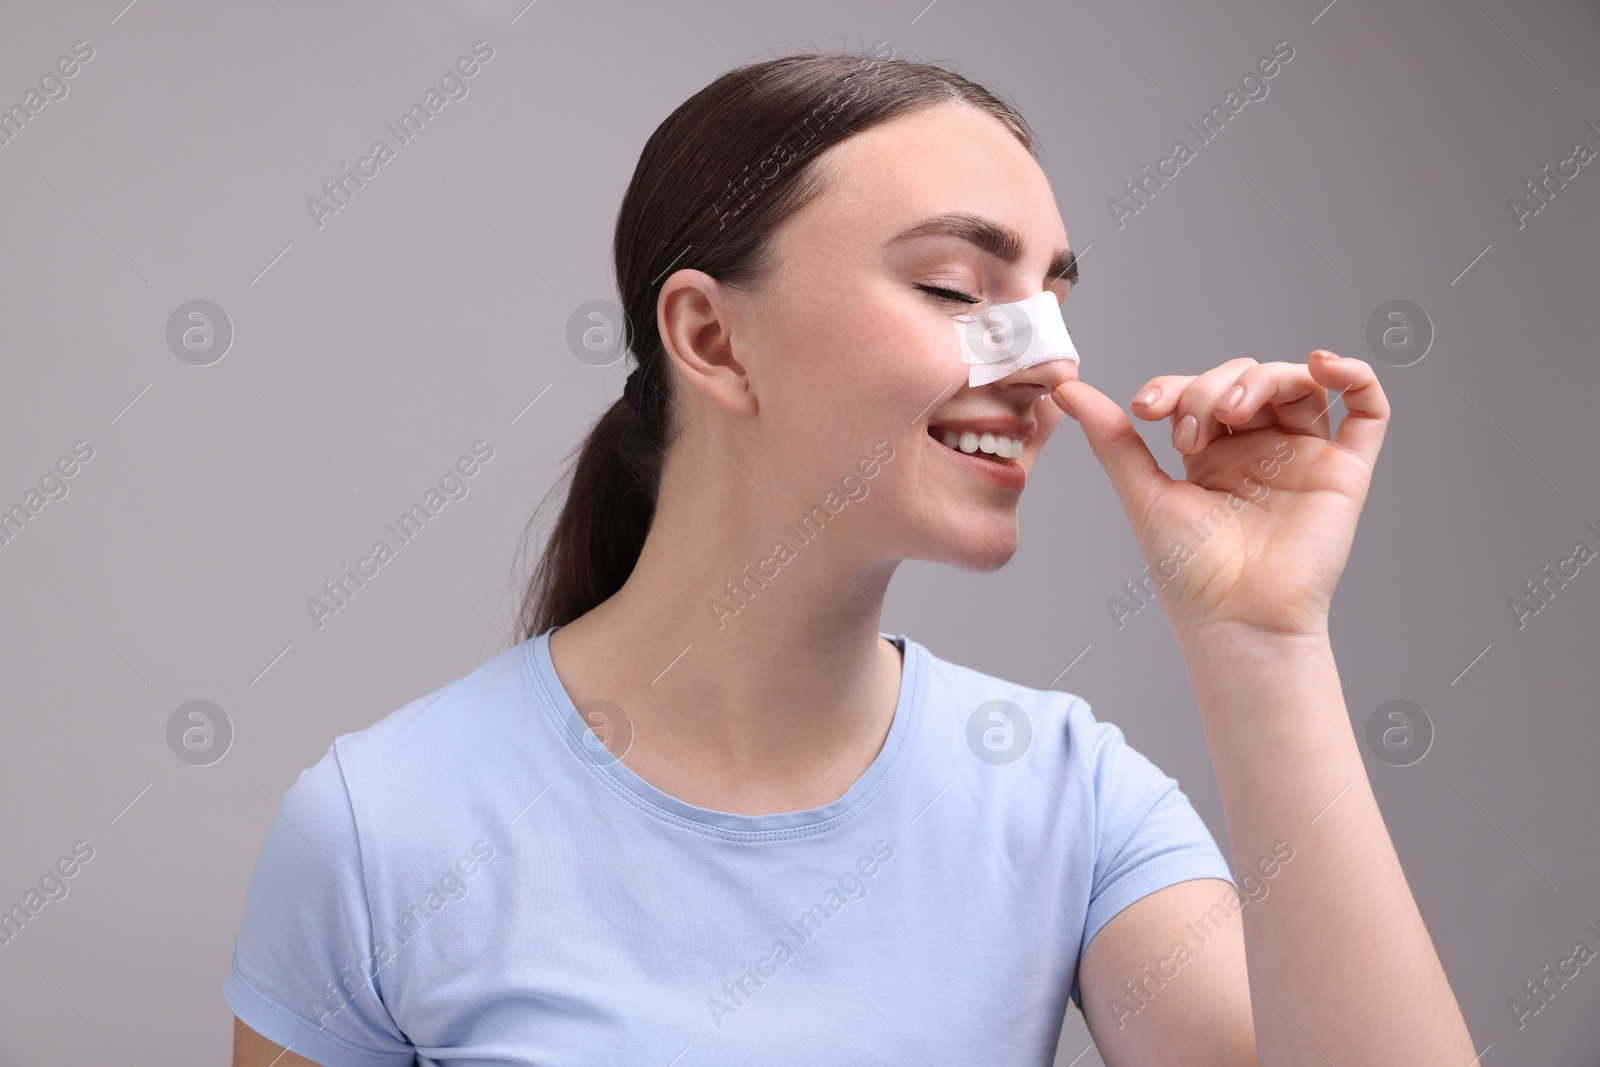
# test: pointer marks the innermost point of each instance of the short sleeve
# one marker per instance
(305, 973)
(1148, 835)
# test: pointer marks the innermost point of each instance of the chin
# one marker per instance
(987, 550)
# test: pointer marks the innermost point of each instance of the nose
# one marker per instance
(1039, 379)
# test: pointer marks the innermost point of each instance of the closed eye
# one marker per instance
(949, 294)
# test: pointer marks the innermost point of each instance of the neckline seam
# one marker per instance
(551, 706)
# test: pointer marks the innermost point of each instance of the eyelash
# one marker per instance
(949, 294)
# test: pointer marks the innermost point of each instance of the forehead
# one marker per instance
(936, 160)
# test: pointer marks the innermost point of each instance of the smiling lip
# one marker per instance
(1015, 428)
(1006, 473)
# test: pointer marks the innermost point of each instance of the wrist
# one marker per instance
(1267, 698)
(1226, 662)
(1227, 638)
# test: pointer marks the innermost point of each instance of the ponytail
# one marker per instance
(611, 493)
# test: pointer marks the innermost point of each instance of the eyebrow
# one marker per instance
(997, 239)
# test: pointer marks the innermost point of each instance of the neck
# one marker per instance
(746, 671)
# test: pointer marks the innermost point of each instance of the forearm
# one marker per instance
(1342, 967)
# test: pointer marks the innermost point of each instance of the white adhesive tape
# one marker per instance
(1005, 338)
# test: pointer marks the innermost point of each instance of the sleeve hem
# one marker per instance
(267, 1017)
(1135, 884)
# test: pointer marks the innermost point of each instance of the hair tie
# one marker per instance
(633, 391)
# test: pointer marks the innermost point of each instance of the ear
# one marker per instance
(700, 324)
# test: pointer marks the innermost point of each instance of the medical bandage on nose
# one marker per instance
(1005, 338)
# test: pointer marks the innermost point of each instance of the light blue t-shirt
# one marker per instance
(474, 879)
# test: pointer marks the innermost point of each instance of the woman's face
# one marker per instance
(845, 350)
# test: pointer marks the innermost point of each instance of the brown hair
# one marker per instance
(713, 184)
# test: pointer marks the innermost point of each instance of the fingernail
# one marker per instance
(1329, 355)
(1150, 396)
(1183, 439)
(1231, 401)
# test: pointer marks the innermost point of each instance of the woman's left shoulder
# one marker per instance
(1058, 718)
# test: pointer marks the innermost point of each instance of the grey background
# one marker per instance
(371, 353)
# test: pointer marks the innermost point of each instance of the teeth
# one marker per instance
(996, 444)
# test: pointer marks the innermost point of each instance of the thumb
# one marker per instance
(1134, 472)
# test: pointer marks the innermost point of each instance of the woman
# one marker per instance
(705, 811)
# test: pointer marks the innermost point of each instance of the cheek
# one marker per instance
(896, 366)
(1049, 416)
(842, 356)
(875, 319)
(860, 361)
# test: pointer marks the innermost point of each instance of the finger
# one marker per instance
(1133, 471)
(1156, 398)
(1366, 407)
(1194, 423)
(1284, 395)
